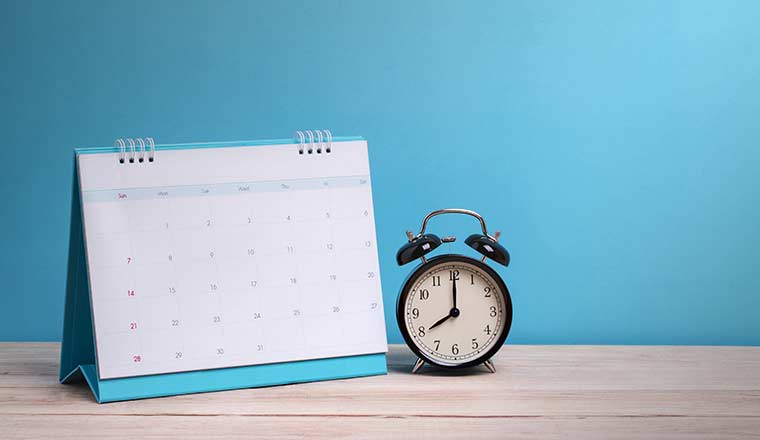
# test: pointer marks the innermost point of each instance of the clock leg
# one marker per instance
(418, 365)
(489, 365)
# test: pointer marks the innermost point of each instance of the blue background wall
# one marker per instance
(616, 143)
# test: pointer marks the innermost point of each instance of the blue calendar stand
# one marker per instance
(78, 358)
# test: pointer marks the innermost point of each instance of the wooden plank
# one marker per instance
(520, 367)
(538, 391)
(290, 427)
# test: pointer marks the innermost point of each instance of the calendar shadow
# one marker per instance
(78, 390)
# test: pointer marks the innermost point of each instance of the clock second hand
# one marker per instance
(454, 312)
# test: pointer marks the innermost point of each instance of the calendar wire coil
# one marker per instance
(136, 149)
(313, 141)
(140, 150)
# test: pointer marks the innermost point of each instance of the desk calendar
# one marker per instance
(198, 267)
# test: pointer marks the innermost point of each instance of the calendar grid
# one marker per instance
(133, 324)
(236, 273)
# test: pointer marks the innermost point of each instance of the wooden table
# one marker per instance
(537, 392)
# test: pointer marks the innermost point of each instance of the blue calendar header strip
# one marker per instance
(198, 145)
(147, 193)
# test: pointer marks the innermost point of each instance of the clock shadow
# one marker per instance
(432, 370)
(400, 360)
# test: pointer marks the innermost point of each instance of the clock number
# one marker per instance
(437, 343)
(421, 331)
(487, 290)
(455, 349)
(424, 294)
(415, 313)
(474, 344)
(487, 330)
(453, 275)
(436, 280)
(493, 311)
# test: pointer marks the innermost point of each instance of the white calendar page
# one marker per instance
(221, 257)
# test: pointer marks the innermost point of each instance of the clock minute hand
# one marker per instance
(439, 322)
(455, 292)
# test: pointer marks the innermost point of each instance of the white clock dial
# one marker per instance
(455, 311)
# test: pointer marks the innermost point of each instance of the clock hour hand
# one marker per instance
(439, 322)
(453, 313)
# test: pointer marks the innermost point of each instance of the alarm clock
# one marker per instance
(454, 311)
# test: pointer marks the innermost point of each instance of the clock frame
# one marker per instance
(419, 272)
(421, 244)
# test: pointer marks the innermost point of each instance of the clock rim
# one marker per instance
(424, 267)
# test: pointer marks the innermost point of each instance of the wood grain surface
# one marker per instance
(537, 392)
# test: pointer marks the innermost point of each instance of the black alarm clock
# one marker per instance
(454, 311)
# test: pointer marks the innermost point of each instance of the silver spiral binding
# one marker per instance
(319, 142)
(313, 141)
(141, 156)
(328, 135)
(152, 154)
(131, 145)
(300, 139)
(136, 149)
(119, 143)
(310, 134)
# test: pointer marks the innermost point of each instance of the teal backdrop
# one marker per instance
(615, 143)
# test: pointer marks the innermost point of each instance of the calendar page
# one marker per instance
(222, 257)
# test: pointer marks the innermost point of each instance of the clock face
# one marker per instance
(454, 311)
